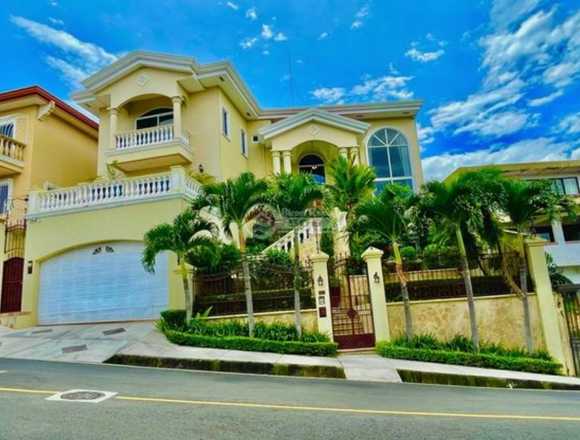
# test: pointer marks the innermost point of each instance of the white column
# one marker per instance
(276, 162)
(178, 177)
(355, 154)
(372, 258)
(287, 156)
(558, 232)
(177, 126)
(322, 293)
(113, 113)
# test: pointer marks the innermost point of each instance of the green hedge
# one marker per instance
(483, 360)
(252, 344)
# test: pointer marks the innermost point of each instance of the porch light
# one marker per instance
(200, 168)
(376, 278)
(320, 281)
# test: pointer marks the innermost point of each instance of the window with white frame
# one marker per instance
(155, 118)
(225, 123)
(7, 128)
(244, 142)
(5, 193)
(388, 153)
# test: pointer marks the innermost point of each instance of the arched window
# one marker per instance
(313, 164)
(389, 155)
(155, 118)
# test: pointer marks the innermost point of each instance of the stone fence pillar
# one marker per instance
(372, 258)
(546, 303)
(322, 293)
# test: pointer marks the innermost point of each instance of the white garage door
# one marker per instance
(104, 282)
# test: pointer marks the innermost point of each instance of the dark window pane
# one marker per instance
(399, 141)
(146, 122)
(571, 232)
(379, 186)
(400, 161)
(158, 111)
(378, 139)
(558, 186)
(544, 232)
(378, 160)
(7, 129)
(571, 185)
(391, 134)
(165, 119)
(3, 198)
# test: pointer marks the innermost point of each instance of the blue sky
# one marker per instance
(500, 78)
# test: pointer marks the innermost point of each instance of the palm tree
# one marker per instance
(525, 202)
(187, 232)
(293, 195)
(352, 184)
(387, 216)
(460, 208)
(237, 201)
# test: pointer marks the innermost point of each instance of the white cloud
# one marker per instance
(379, 88)
(537, 102)
(248, 43)
(329, 95)
(56, 21)
(426, 134)
(267, 32)
(323, 35)
(232, 5)
(570, 124)
(360, 16)
(252, 14)
(505, 12)
(500, 124)
(77, 60)
(424, 57)
(280, 36)
(265, 52)
(528, 150)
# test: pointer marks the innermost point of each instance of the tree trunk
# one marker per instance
(296, 282)
(247, 283)
(404, 291)
(186, 290)
(526, 305)
(468, 287)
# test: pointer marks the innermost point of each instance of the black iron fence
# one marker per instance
(489, 276)
(272, 289)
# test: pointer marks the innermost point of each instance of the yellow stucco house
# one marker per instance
(44, 143)
(162, 118)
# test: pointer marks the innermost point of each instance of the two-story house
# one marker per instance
(44, 143)
(563, 235)
(162, 119)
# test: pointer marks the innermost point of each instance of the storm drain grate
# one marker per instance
(84, 396)
(114, 331)
(74, 348)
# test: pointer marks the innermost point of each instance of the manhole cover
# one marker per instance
(86, 396)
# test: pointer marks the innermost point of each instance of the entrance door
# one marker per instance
(352, 319)
(12, 285)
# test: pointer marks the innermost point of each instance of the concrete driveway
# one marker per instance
(73, 343)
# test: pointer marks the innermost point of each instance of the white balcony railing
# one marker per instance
(11, 148)
(307, 231)
(144, 137)
(113, 192)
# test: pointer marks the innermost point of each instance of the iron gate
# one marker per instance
(352, 318)
(572, 312)
(12, 285)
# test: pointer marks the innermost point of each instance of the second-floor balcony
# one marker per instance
(11, 156)
(149, 148)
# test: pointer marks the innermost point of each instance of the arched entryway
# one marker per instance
(313, 164)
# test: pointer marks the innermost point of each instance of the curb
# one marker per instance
(229, 366)
(413, 376)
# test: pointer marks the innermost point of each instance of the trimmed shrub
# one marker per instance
(174, 319)
(252, 344)
(483, 360)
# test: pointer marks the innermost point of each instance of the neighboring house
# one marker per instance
(44, 143)
(163, 118)
(563, 236)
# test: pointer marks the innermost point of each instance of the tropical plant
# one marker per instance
(386, 215)
(236, 202)
(352, 184)
(293, 196)
(188, 232)
(525, 202)
(216, 257)
(459, 208)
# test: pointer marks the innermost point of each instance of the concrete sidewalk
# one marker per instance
(96, 343)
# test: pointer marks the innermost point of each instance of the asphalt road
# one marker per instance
(166, 404)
